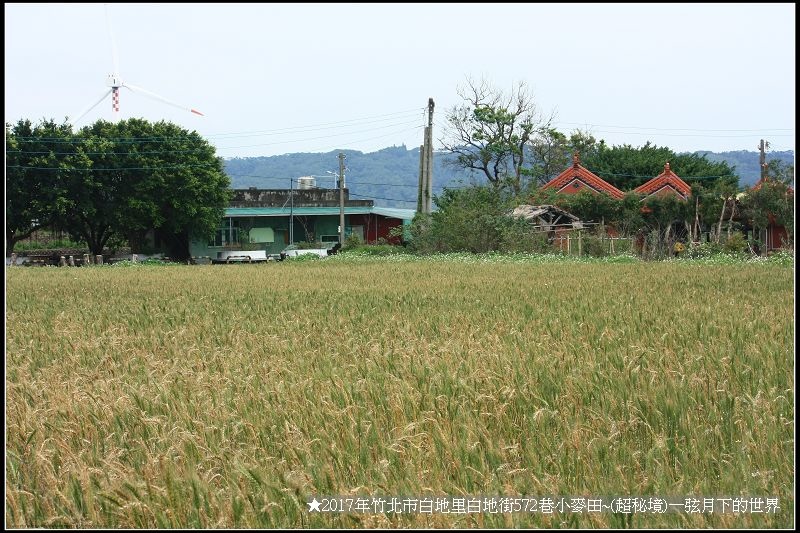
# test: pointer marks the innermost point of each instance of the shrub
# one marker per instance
(376, 250)
(736, 243)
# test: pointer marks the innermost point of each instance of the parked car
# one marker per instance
(294, 250)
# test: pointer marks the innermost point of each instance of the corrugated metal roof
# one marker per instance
(403, 214)
(391, 212)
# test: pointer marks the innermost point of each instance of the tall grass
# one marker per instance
(224, 396)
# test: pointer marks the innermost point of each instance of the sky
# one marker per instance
(272, 79)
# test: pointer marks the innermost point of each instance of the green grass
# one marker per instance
(224, 396)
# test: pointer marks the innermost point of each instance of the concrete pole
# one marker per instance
(291, 211)
(429, 159)
(420, 195)
(341, 199)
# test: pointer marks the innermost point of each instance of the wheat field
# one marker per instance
(226, 396)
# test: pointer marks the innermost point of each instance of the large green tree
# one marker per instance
(37, 159)
(626, 167)
(146, 176)
(119, 180)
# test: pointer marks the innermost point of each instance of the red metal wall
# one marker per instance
(376, 227)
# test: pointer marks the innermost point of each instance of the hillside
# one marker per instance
(390, 176)
(746, 163)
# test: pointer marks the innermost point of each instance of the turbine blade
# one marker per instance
(106, 93)
(157, 97)
(113, 42)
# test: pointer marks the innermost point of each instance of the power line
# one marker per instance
(134, 140)
(175, 166)
(339, 146)
(381, 198)
(695, 134)
(345, 123)
(154, 152)
(315, 138)
(94, 169)
(303, 129)
(657, 131)
(604, 173)
(211, 146)
(670, 129)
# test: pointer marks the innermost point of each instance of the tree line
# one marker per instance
(505, 139)
(111, 183)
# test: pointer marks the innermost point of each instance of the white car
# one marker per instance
(294, 251)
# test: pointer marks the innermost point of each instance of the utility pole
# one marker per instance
(421, 178)
(341, 199)
(763, 147)
(291, 211)
(429, 171)
(426, 165)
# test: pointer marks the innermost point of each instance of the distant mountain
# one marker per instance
(746, 164)
(390, 176)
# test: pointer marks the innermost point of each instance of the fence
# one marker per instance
(597, 246)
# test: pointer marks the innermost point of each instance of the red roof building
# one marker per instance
(577, 178)
(774, 236)
(665, 184)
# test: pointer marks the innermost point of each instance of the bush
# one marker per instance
(736, 243)
(352, 241)
(594, 246)
(734, 248)
(376, 250)
(25, 246)
(474, 219)
(308, 245)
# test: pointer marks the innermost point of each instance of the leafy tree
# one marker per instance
(771, 203)
(589, 207)
(550, 151)
(189, 184)
(490, 133)
(37, 158)
(116, 181)
(473, 219)
(96, 193)
(146, 176)
(780, 171)
(627, 167)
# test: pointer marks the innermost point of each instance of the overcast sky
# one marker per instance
(281, 78)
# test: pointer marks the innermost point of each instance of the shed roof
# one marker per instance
(546, 216)
(579, 172)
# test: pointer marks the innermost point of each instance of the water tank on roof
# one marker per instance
(306, 182)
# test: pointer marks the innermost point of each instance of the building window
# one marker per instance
(227, 233)
(261, 235)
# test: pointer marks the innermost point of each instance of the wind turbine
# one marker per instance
(114, 81)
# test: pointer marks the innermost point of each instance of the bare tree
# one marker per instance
(490, 132)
